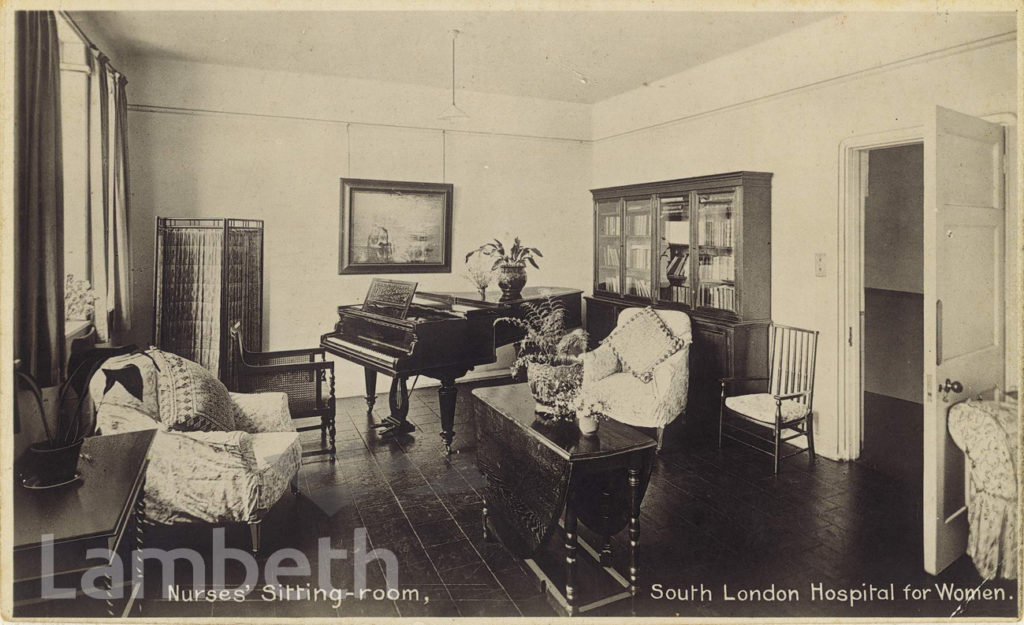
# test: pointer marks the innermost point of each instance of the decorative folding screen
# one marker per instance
(209, 273)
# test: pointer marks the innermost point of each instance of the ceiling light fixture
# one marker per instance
(454, 112)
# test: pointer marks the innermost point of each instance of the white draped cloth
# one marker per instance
(987, 433)
(108, 197)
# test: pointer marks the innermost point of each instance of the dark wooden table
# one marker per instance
(538, 471)
(96, 511)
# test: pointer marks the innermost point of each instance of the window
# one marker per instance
(74, 111)
(74, 100)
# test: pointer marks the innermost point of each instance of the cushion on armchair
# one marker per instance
(191, 398)
(115, 394)
(600, 363)
(128, 384)
(643, 342)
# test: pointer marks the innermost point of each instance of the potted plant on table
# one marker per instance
(589, 415)
(551, 357)
(54, 461)
(510, 265)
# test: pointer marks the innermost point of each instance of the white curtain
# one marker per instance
(108, 197)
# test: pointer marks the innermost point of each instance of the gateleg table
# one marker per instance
(539, 472)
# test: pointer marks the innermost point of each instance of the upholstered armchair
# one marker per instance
(987, 432)
(640, 374)
(217, 457)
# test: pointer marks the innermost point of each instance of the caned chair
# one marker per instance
(305, 375)
(788, 404)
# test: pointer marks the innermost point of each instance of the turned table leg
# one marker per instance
(570, 555)
(634, 528)
(483, 518)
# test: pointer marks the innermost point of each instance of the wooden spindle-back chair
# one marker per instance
(788, 404)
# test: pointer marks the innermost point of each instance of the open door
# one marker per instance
(963, 307)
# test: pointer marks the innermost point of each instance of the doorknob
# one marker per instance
(950, 385)
(954, 386)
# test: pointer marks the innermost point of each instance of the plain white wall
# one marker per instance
(784, 106)
(781, 106)
(517, 165)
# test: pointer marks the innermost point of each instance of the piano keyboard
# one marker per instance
(381, 357)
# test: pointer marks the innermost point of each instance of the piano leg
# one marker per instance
(371, 387)
(398, 402)
(446, 396)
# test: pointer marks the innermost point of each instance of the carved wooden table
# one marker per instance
(99, 511)
(538, 471)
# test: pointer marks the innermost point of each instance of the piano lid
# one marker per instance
(453, 302)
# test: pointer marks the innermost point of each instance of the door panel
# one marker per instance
(968, 327)
(963, 295)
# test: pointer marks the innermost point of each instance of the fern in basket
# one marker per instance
(546, 340)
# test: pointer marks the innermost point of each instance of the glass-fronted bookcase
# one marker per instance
(701, 245)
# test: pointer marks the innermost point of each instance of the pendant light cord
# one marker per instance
(455, 33)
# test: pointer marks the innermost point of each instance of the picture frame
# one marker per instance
(391, 226)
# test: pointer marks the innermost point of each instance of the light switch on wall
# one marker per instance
(819, 265)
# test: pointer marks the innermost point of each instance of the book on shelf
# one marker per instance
(718, 296)
(611, 284)
(678, 265)
(678, 294)
(718, 268)
(670, 265)
(610, 256)
(637, 286)
(640, 225)
(640, 257)
(715, 231)
(610, 225)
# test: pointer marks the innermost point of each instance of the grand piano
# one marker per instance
(438, 335)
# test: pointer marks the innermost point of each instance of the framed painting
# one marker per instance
(395, 227)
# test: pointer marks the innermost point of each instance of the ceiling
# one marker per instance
(575, 56)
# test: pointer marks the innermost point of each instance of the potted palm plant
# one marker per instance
(510, 265)
(550, 356)
(54, 461)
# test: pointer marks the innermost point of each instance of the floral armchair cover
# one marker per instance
(987, 433)
(202, 476)
(610, 389)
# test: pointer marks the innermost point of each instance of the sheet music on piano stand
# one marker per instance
(390, 298)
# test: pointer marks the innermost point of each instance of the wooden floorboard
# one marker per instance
(712, 519)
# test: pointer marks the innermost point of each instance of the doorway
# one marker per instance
(892, 332)
(965, 214)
